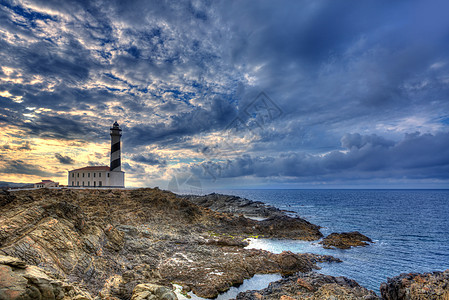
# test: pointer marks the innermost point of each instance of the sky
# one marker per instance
(228, 94)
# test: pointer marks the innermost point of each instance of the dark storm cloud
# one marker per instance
(216, 117)
(47, 126)
(332, 61)
(24, 146)
(150, 159)
(21, 167)
(66, 160)
(416, 156)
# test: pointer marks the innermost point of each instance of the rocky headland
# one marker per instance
(107, 242)
(285, 224)
(257, 210)
(236, 205)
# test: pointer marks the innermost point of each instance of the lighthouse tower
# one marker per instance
(116, 134)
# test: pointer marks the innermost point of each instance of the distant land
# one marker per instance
(15, 184)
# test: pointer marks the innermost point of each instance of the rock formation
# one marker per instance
(312, 286)
(21, 281)
(345, 240)
(235, 205)
(271, 219)
(414, 286)
(152, 291)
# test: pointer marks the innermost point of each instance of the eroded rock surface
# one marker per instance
(147, 291)
(20, 281)
(312, 286)
(345, 240)
(272, 221)
(414, 286)
(111, 241)
(235, 205)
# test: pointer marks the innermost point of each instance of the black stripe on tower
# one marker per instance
(115, 164)
(115, 147)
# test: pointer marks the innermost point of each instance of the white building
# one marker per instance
(102, 176)
(46, 184)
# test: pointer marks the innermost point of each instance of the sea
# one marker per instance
(410, 230)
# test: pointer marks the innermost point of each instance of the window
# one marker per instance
(83, 174)
(77, 174)
(88, 183)
(99, 183)
(83, 183)
(99, 174)
(94, 174)
(78, 183)
(95, 184)
(88, 174)
(73, 183)
(73, 174)
(108, 174)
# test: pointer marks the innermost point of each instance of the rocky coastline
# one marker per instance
(433, 285)
(257, 210)
(107, 242)
(236, 205)
(311, 286)
(135, 244)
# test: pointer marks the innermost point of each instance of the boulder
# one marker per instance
(148, 291)
(19, 281)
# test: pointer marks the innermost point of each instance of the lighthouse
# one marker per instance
(116, 134)
(102, 176)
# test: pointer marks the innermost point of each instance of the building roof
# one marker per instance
(44, 181)
(93, 168)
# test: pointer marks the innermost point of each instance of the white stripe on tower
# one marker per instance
(116, 133)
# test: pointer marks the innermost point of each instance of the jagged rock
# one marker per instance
(345, 240)
(19, 281)
(226, 241)
(414, 286)
(274, 222)
(5, 197)
(235, 205)
(152, 292)
(312, 286)
(291, 263)
(12, 261)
